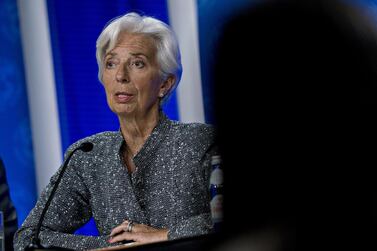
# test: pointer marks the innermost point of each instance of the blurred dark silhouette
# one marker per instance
(295, 109)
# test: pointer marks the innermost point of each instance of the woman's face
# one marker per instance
(131, 76)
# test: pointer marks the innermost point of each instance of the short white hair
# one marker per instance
(168, 54)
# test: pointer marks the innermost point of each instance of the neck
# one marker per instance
(136, 129)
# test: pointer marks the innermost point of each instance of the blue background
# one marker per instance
(15, 136)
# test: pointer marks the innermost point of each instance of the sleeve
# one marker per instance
(69, 209)
(200, 223)
(9, 212)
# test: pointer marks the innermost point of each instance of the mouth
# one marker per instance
(123, 97)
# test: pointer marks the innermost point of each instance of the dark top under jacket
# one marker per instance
(168, 189)
(9, 212)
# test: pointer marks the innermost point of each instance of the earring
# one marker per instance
(161, 94)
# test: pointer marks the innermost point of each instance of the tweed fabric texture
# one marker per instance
(168, 189)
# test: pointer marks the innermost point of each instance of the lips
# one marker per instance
(123, 97)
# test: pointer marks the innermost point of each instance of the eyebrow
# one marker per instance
(110, 54)
(139, 54)
(133, 54)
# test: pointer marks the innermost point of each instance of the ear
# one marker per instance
(167, 85)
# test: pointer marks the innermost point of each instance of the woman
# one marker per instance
(147, 182)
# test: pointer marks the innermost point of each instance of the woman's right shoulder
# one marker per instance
(99, 140)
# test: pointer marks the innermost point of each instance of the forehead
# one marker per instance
(134, 43)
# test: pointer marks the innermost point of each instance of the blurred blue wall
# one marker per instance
(15, 134)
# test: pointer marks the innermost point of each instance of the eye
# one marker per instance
(138, 63)
(110, 64)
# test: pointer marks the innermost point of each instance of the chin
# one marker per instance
(123, 109)
(123, 113)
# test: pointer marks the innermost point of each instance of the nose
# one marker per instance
(122, 74)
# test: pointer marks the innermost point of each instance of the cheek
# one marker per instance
(106, 82)
(154, 84)
(149, 92)
(108, 91)
(105, 79)
(144, 85)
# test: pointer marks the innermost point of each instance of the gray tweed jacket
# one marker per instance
(168, 189)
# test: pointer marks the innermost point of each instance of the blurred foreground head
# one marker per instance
(295, 102)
